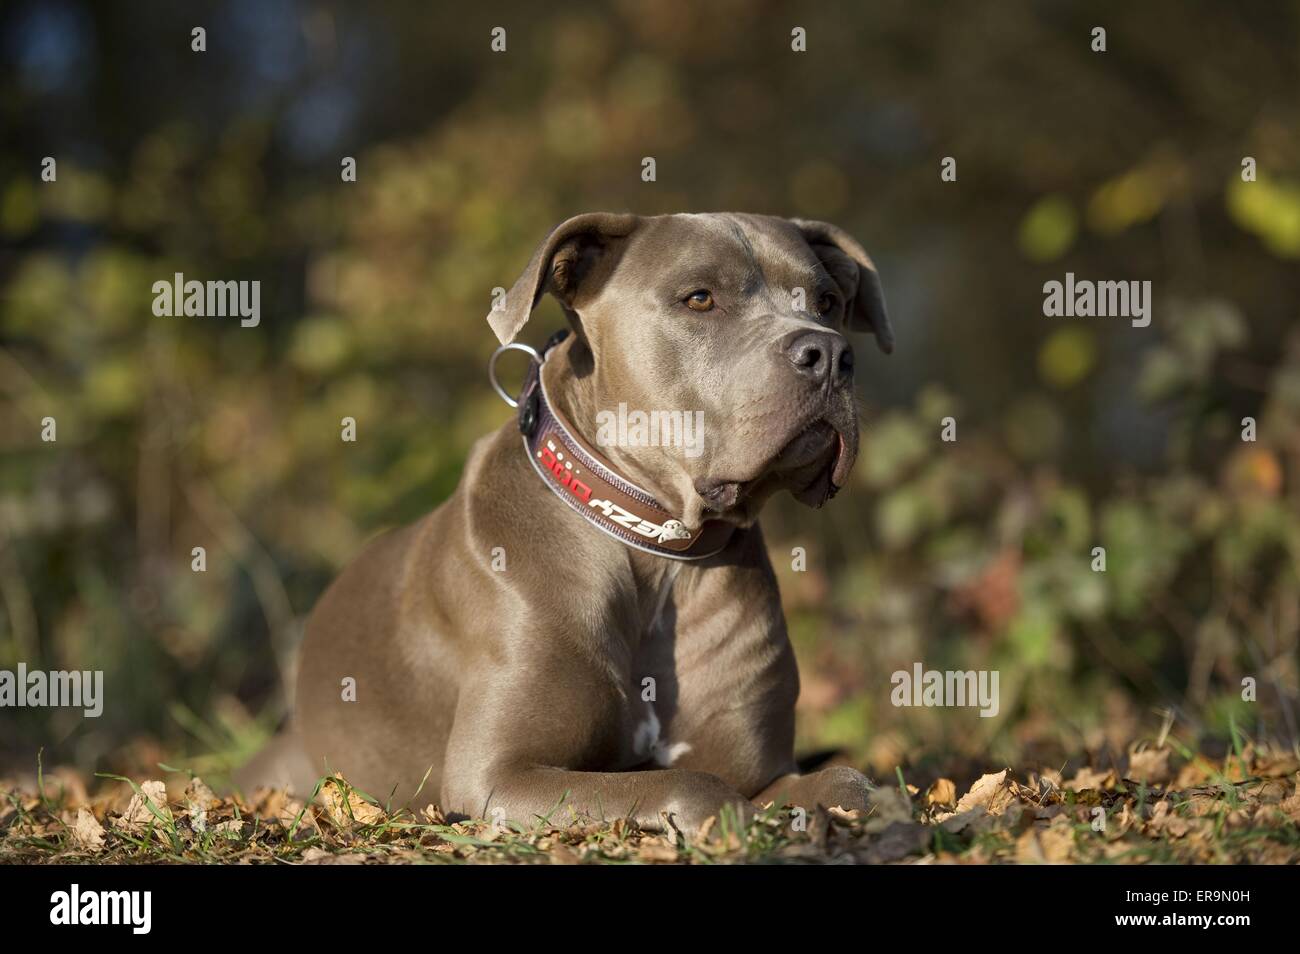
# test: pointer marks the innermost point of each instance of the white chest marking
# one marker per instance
(646, 742)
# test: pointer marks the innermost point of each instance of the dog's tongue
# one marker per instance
(828, 481)
(840, 468)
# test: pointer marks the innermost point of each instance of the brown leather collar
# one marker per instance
(584, 480)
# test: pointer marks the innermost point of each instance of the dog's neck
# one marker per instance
(574, 388)
(605, 486)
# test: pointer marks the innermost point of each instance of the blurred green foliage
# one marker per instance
(176, 433)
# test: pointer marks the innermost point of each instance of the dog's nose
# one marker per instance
(818, 355)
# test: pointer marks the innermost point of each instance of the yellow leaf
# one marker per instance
(346, 807)
(942, 792)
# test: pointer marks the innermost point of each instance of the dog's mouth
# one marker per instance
(814, 464)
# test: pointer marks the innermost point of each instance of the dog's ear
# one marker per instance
(853, 270)
(559, 265)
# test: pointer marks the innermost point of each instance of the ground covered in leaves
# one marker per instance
(1162, 807)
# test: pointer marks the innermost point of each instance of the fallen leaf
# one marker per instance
(232, 829)
(1121, 822)
(199, 796)
(563, 855)
(1291, 806)
(1268, 790)
(992, 797)
(318, 856)
(1149, 765)
(1165, 821)
(656, 851)
(140, 812)
(1051, 845)
(346, 807)
(87, 832)
(990, 792)
(433, 815)
(269, 802)
(1195, 772)
(1087, 778)
(942, 792)
(297, 817)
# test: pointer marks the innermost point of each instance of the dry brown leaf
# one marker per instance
(656, 850)
(1088, 778)
(1149, 765)
(269, 802)
(1203, 803)
(233, 829)
(346, 807)
(563, 855)
(433, 815)
(1277, 764)
(1165, 821)
(1268, 790)
(87, 833)
(1057, 840)
(138, 816)
(1290, 805)
(1195, 772)
(1237, 819)
(1044, 791)
(991, 792)
(1121, 822)
(318, 856)
(991, 802)
(1050, 844)
(296, 813)
(199, 797)
(943, 792)
(1028, 850)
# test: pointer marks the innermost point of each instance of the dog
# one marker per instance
(599, 629)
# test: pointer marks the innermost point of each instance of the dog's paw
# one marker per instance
(709, 798)
(837, 787)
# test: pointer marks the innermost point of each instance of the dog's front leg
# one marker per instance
(522, 757)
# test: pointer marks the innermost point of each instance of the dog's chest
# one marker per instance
(654, 698)
(651, 744)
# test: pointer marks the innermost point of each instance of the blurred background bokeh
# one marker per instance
(1072, 433)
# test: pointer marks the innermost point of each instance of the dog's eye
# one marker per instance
(699, 301)
(826, 304)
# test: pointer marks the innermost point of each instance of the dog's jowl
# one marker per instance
(594, 622)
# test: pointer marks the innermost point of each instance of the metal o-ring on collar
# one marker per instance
(492, 367)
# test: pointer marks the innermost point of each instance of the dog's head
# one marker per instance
(737, 322)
